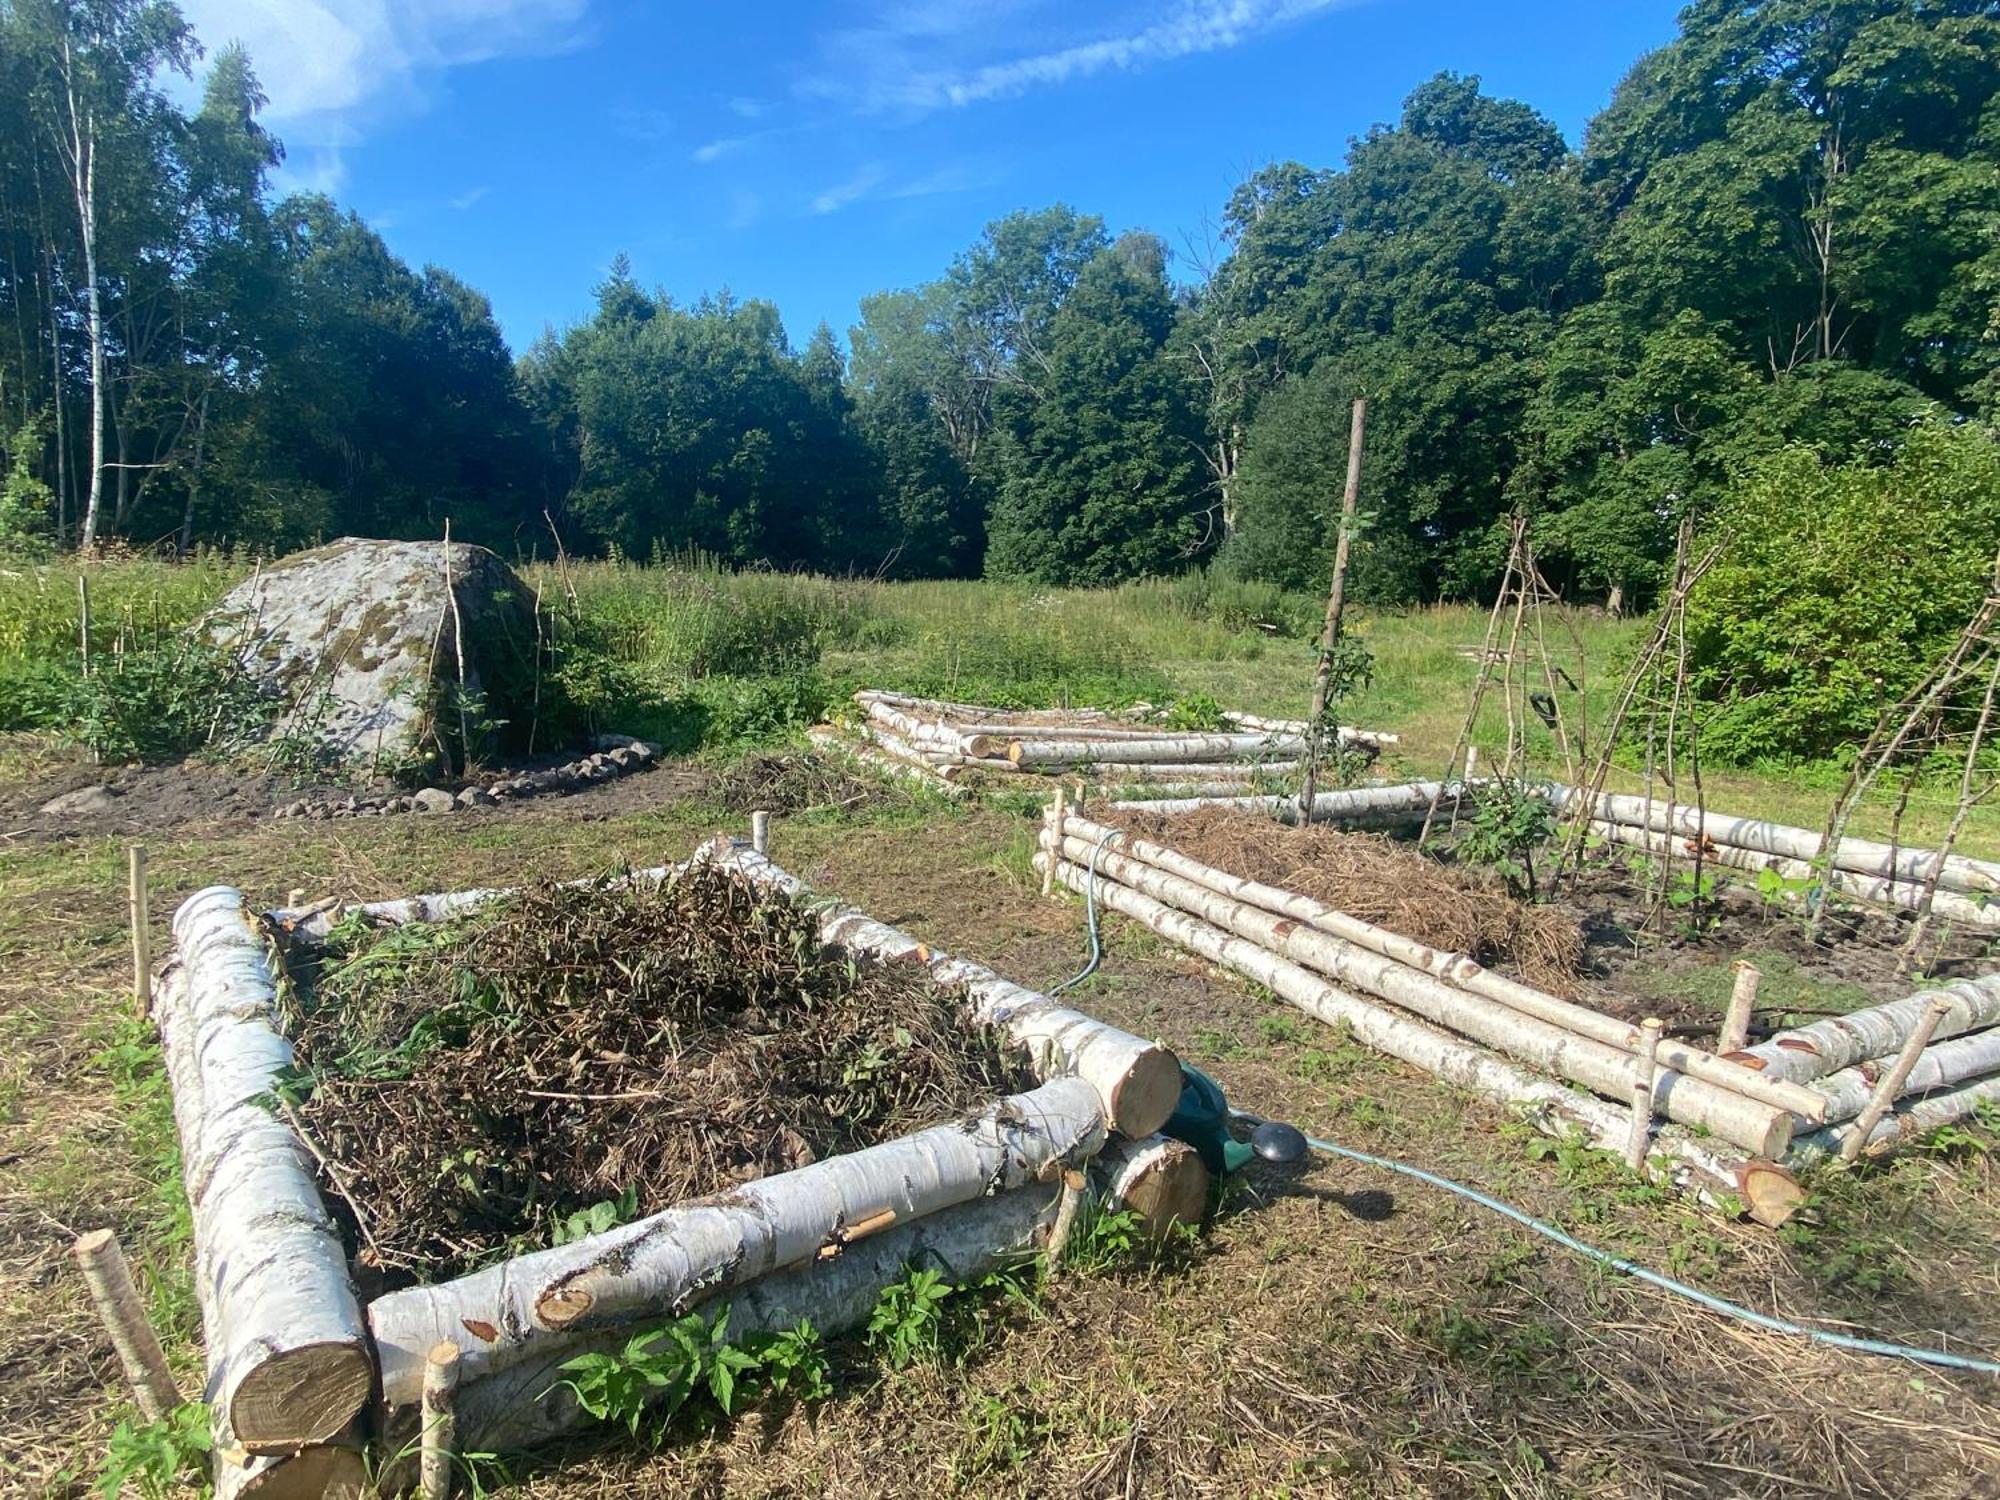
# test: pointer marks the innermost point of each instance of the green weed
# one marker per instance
(156, 1459)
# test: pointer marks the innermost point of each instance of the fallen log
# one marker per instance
(1857, 856)
(1195, 771)
(895, 765)
(1047, 751)
(1940, 1065)
(1138, 1083)
(1457, 969)
(916, 752)
(1769, 1192)
(1610, 1070)
(674, 1259)
(1913, 1116)
(528, 1405)
(1826, 1046)
(1356, 806)
(324, 1471)
(1895, 894)
(1349, 734)
(288, 1360)
(1159, 1179)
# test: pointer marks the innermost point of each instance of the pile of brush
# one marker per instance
(603, 1051)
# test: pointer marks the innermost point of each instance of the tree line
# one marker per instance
(1783, 230)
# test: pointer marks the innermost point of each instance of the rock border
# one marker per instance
(613, 755)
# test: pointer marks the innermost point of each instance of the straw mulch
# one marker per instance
(1380, 880)
(474, 1084)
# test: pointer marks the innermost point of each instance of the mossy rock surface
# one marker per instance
(360, 638)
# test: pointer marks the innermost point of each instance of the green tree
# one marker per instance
(1100, 453)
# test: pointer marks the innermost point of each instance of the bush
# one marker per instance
(1840, 588)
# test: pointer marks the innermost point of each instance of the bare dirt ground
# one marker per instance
(1338, 1331)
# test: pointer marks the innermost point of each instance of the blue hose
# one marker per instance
(1654, 1278)
(1090, 914)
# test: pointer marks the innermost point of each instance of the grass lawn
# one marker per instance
(1338, 1330)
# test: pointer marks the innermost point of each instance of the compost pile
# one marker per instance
(573, 1057)
(798, 781)
(1376, 878)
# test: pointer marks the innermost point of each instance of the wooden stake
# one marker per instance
(1735, 1033)
(1471, 761)
(760, 831)
(1067, 1213)
(83, 619)
(1891, 1082)
(440, 1437)
(1056, 808)
(1336, 603)
(1643, 1084)
(110, 1282)
(142, 935)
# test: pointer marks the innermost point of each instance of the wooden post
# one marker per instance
(1067, 1212)
(440, 1409)
(1471, 762)
(1336, 603)
(1056, 809)
(83, 619)
(760, 831)
(142, 936)
(1735, 1034)
(1891, 1083)
(110, 1282)
(1640, 1140)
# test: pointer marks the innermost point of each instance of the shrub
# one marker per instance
(1840, 587)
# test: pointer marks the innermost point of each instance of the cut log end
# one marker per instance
(1167, 1188)
(302, 1396)
(1770, 1193)
(1144, 1099)
(317, 1473)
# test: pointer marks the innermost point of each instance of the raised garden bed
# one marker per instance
(408, 1128)
(1413, 959)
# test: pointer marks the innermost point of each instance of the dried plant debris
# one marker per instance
(800, 781)
(1381, 880)
(575, 1056)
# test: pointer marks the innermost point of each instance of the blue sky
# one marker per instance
(813, 153)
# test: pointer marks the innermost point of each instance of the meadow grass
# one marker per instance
(704, 655)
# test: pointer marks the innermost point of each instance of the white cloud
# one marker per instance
(927, 58)
(327, 64)
(745, 108)
(861, 185)
(469, 197)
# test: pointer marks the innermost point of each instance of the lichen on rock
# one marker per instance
(360, 639)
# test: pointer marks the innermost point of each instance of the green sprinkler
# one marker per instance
(1202, 1120)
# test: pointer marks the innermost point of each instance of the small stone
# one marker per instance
(433, 800)
(475, 796)
(84, 802)
(624, 757)
(645, 752)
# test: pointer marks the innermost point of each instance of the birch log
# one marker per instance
(882, 760)
(1193, 771)
(1175, 747)
(1953, 905)
(527, 1406)
(1838, 1042)
(1613, 1071)
(1458, 970)
(315, 922)
(329, 1469)
(1137, 1082)
(323, 1471)
(1940, 1065)
(1405, 802)
(672, 1260)
(1717, 1176)
(1914, 1115)
(1858, 856)
(917, 751)
(1160, 1179)
(288, 1356)
(144, 1362)
(1297, 727)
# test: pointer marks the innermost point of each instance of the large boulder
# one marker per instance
(360, 638)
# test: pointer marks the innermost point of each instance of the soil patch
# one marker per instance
(1378, 879)
(476, 1084)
